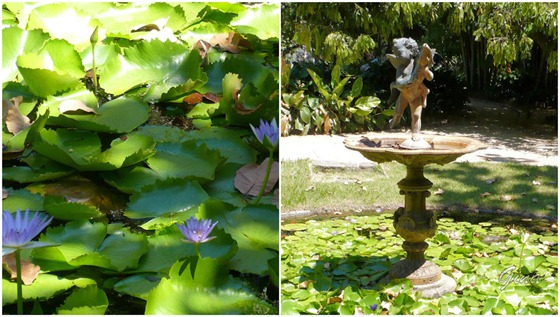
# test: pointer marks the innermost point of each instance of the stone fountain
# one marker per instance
(414, 223)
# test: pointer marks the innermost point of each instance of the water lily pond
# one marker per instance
(335, 266)
(127, 124)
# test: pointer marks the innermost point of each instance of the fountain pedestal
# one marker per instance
(414, 223)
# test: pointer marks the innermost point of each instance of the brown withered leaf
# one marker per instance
(29, 271)
(196, 98)
(210, 98)
(203, 48)
(333, 300)
(74, 107)
(249, 178)
(193, 99)
(485, 194)
(15, 121)
(4, 193)
(232, 42)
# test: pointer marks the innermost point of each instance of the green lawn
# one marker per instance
(485, 186)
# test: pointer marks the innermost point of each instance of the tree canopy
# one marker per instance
(494, 38)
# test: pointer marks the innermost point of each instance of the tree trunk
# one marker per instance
(465, 56)
(472, 68)
(542, 69)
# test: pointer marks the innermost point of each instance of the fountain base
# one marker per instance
(426, 278)
(437, 289)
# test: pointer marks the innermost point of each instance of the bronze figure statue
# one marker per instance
(408, 89)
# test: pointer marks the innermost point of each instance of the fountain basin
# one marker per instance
(413, 222)
(382, 148)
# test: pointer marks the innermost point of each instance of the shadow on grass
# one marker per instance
(525, 190)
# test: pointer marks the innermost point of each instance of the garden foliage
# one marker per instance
(505, 51)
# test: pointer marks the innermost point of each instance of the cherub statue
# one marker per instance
(408, 88)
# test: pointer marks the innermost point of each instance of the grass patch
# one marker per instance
(486, 186)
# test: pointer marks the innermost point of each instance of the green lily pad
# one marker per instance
(59, 208)
(55, 68)
(165, 197)
(261, 20)
(47, 18)
(167, 246)
(185, 160)
(161, 134)
(137, 285)
(82, 149)
(206, 288)
(164, 248)
(131, 179)
(22, 199)
(84, 243)
(109, 117)
(120, 19)
(166, 65)
(234, 150)
(16, 42)
(40, 168)
(85, 301)
(222, 187)
(75, 239)
(258, 223)
(43, 288)
(531, 263)
(216, 133)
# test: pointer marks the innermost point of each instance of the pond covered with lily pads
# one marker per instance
(123, 128)
(335, 266)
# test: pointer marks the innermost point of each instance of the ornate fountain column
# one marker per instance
(415, 224)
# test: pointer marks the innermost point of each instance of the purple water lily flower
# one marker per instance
(267, 133)
(197, 231)
(18, 230)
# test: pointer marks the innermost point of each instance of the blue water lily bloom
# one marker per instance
(267, 133)
(197, 231)
(18, 230)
